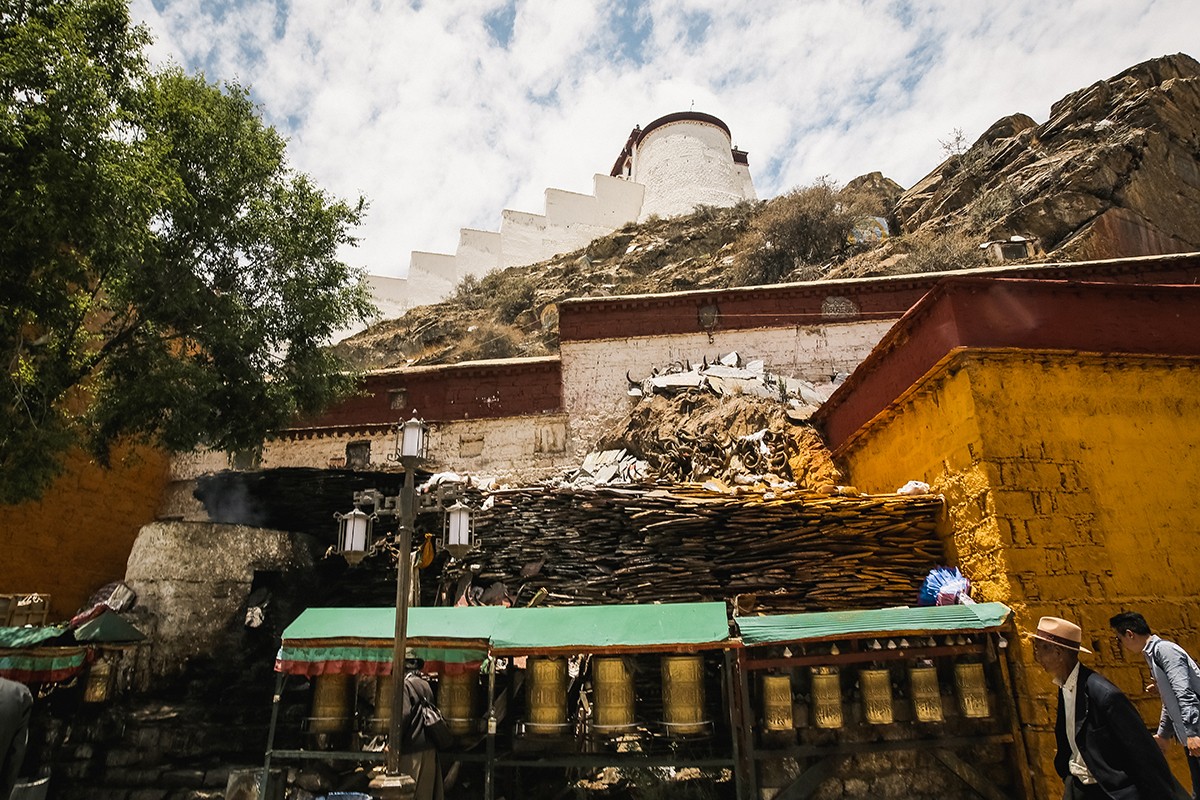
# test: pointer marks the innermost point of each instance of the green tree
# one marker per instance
(164, 274)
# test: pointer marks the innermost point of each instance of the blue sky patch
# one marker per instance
(499, 23)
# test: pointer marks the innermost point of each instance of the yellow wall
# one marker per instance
(1073, 489)
(78, 536)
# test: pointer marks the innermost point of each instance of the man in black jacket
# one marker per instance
(1104, 748)
(419, 755)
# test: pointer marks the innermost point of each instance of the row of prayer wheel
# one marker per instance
(546, 686)
(333, 703)
(878, 702)
(612, 684)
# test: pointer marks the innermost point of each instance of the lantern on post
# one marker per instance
(354, 534)
(459, 537)
(412, 440)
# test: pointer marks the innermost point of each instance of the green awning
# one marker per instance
(874, 622)
(29, 635)
(108, 628)
(615, 628)
(359, 640)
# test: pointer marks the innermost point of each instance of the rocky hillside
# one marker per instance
(1114, 171)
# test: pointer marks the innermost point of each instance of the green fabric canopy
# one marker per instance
(108, 628)
(29, 635)
(883, 622)
(616, 628)
(359, 640)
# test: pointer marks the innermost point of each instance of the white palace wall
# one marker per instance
(686, 164)
(677, 166)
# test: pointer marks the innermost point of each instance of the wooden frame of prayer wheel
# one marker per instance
(456, 700)
(683, 694)
(546, 687)
(100, 679)
(612, 680)
(777, 702)
(380, 722)
(332, 703)
(926, 694)
(972, 689)
(827, 697)
(876, 687)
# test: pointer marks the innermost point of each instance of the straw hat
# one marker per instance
(1060, 632)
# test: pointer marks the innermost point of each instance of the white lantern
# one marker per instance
(354, 534)
(459, 536)
(412, 438)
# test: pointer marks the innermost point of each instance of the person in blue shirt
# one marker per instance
(1176, 679)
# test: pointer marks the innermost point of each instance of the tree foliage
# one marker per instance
(164, 274)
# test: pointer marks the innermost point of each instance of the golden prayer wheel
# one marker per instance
(683, 694)
(384, 691)
(456, 700)
(99, 681)
(777, 702)
(333, 697)
(827, 697)
(613, 681)
(972, 689)
(546, 681)
(877, 696)
(926, 694)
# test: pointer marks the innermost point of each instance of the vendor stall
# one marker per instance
(818, 690)
(567, 680)
(782, 707)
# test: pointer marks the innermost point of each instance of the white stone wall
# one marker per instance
(525, 448)
(431, 277)
(686, 164)
(594, 371)
(390, 296)
(743, 173)
(478, 253)
(676, 167)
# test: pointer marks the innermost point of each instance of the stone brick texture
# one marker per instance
(1070, 485)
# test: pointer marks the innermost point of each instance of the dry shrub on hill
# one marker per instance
(807, 227)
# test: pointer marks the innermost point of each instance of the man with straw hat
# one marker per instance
(1104, 748)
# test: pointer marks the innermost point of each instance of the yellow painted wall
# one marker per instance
(1073, 489)
(78, 536)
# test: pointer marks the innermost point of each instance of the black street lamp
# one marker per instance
(355, 541)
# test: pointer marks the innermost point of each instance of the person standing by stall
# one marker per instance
(1176, 679)
(16, 704)
(419, 755)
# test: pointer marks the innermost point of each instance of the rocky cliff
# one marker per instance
(1114, 171)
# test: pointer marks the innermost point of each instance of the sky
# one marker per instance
(441, 113)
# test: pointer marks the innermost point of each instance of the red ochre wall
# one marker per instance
(1071, 484)
(78, 536)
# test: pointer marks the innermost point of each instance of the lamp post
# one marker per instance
(411, 440)
(354, 540)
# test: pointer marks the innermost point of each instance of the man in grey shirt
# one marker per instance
(1177, 681)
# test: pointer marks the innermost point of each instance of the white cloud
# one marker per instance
(441, 124)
